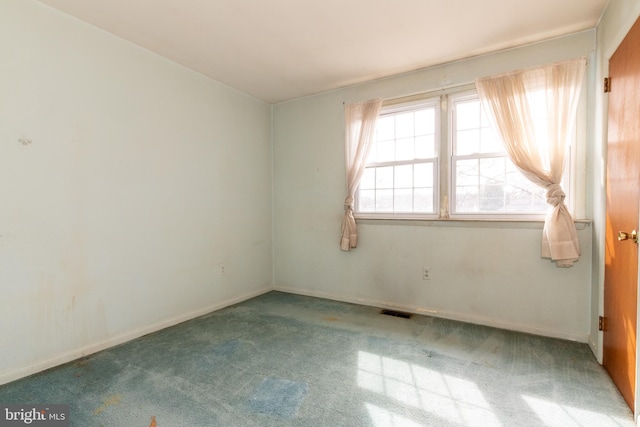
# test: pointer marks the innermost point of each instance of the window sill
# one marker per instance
(464, 222)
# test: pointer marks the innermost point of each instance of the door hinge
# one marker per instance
(607, 84)
(600, 323)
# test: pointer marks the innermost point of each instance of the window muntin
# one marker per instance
(401, 172)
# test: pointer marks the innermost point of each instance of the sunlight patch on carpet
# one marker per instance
(453, 399)
(555, 414)
(381, 417)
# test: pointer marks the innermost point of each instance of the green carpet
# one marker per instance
(288, 360)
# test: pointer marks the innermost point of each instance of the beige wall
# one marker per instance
(483, 273)
(135, 181)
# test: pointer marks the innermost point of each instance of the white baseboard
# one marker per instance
(60, 359)
(462, 317)
(597, 352)
(25, 371)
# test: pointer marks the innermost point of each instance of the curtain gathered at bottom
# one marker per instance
(360, 122)
(537, 145)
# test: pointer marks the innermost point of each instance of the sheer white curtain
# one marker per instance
(537, 145)
(360, 121)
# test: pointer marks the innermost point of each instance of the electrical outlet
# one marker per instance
(426, 273)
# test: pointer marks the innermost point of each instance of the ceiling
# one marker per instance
(277, 50)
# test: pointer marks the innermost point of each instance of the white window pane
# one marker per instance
(403, 176)
(384, 177)
(403, 201)
(423, 175)
(425, 122)
(492, 171)
(518, 199)
(466, 199)
(467, 173)
(384, 201)
(404, 149)
(468, 115)
(386, 151)
(366, 201)
(521, 194)
(467, 142)
(423, 200)
(523, 199)
(373, 153)
(404, 125)
(491, 198)
(540, 203)
(425, 147)
(368, 180)
(385, 128)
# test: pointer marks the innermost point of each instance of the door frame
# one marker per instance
(604, 99)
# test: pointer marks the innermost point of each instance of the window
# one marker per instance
(427, 166)
(484, 180)
(401, 171)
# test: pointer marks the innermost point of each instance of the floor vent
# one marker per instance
(396, 314)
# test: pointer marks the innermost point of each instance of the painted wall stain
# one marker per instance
(330, 319)
(69, 308)
(153, 422)
(110, 401)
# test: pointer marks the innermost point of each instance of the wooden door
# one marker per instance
(623, 199)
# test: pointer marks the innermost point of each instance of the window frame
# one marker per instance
(574, 177)
(400, 105)
(470, 95)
